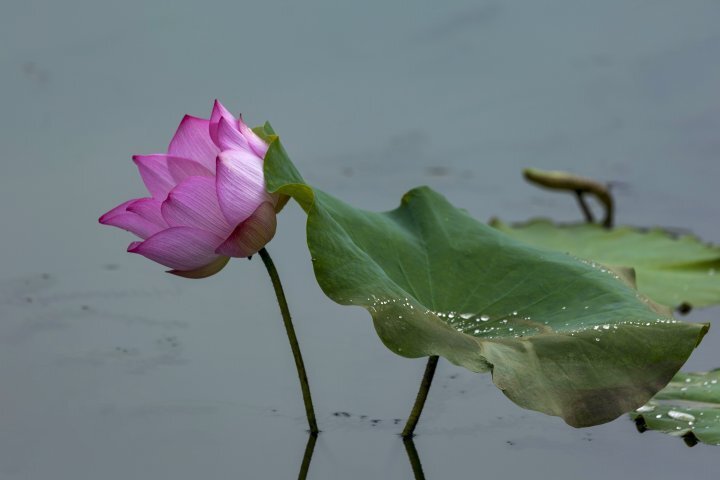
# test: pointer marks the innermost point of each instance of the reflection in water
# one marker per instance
(309, 449)
(410, 449)
(414, 458)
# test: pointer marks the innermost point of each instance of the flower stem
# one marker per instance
(421, 397)
(287, 320)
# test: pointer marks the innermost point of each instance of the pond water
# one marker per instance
(112, 369)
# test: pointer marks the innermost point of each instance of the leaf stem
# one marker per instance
(287, 320)
(589, 217)
(609, 211)
(408, 431)
(580, 185)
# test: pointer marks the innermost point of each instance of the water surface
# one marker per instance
(112, 369)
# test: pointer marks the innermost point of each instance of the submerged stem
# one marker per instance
(287, 320)
(408, 431)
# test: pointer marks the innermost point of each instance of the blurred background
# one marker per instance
(111, 369)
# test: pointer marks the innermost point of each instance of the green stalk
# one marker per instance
(589, 218)
(287, 320)
(408, 431)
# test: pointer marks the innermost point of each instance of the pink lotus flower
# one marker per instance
(208, 200)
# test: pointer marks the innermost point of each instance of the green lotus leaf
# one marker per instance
(559, 335)
(688, 407)
(671, 270)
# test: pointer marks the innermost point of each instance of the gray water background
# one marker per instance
(111, 369)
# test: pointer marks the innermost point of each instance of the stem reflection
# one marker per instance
(414, 458)
(309, 449)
